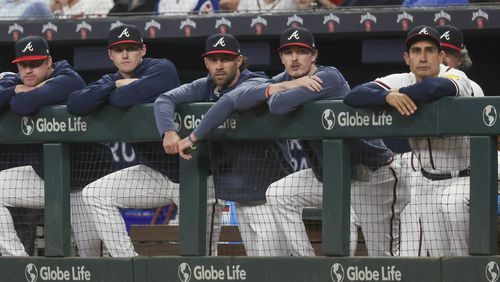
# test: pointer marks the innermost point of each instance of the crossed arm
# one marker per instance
(372, 94)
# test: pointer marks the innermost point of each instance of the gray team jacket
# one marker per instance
(242, 170)
(372, 153)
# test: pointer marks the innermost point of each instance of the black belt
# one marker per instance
(444, 176)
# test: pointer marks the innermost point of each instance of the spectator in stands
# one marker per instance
(154, 181)
(349, 3)
(134, 7)
(242, 171)
(376, 184)
(77, 9)
(229, 5)
(188, 6)
(329, 4)
(39, 82)
(273, 5)
(456, 54)
(420, 3)
(24, 9)
(142, 6)
(444, 161)
(119, 7)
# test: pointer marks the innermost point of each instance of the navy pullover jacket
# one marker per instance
(155, 76)
(88, 162)
(372, 153)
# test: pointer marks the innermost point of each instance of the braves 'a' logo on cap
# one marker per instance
(124, 33)
(29, 47)
(424, 31)
(295, 35)
(446, 35)
(220, 42)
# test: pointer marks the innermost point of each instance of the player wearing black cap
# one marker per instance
(242, 171)
(144, 78)
(39, 82)
(151, 183)
(456, 54)
(444, 161)
(303, 80)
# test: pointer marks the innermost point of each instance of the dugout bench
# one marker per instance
(163, 239)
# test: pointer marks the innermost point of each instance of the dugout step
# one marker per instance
(163, 240)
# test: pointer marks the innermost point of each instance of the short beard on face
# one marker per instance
(224, 83)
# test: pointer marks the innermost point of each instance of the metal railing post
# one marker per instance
(193, 198)
(483, 196)
(336, 197)
(57, 200)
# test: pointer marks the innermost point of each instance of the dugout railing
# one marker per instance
(55, 128)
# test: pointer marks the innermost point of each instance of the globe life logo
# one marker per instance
(30, 272)
(184, 272)
(52, 125)
(492, 271)
(328, 119)
(337, 272)
(490, 115)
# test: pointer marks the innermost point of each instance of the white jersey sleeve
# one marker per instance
(476, 89)
(396, 81)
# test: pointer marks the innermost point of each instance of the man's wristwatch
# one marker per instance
(193, 143)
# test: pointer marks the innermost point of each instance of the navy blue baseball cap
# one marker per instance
(423, 32)
(31, 48)
(222, 43)
(297, 36)
(124, 34)
(451, 37)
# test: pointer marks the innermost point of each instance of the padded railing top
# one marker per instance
(316, 120)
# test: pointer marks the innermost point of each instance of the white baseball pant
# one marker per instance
(136, 187)
(378, 198)
(443, 206)
(411, 231)
(22, 187)
(287, 199)
(455, 204)
(259, 232)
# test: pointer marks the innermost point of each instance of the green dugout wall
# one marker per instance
(331, 121)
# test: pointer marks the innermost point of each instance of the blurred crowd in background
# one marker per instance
(75, 9)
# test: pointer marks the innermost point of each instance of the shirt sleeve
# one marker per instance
(368, 95)
(9, 80)
(5, 95)
(476, 89)
(84, 101)
(160, 77)
(237, 99)
(54, 91)
(335, 87)
(164, 106)
(395, 81)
